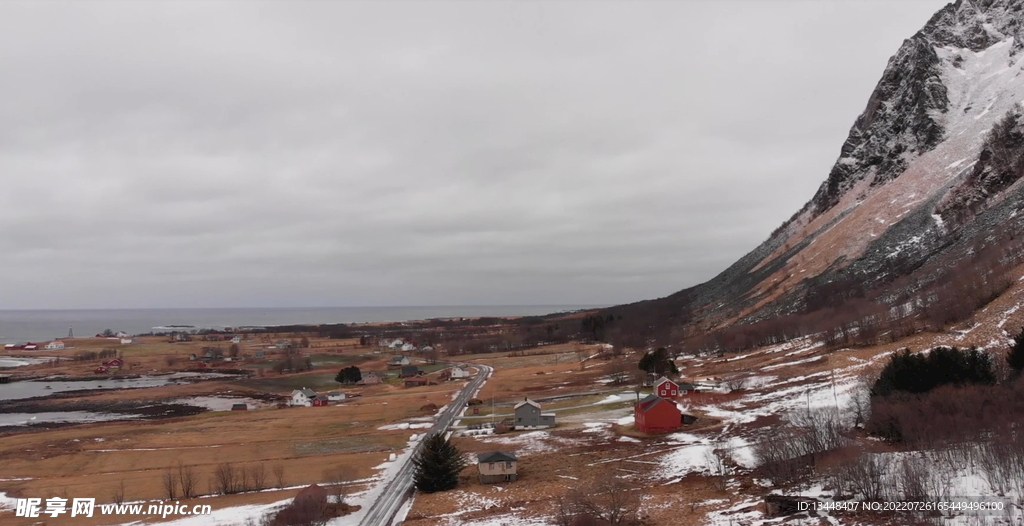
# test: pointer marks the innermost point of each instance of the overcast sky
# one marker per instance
(341, 153)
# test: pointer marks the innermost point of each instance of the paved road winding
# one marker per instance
(396, 490)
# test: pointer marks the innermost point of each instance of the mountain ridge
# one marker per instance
(926, 180)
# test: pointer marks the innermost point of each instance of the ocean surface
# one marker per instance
(39, 325)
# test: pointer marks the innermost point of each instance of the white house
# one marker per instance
(397, 343)
(55, 345)
(399, 361)
(303, 397)
(335, 396)
(458, 372)
(126, 341)
(236, 339)
(408, 347)
(122, 334)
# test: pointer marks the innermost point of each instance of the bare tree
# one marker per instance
(278, 470)
(639, 381)
(170, 484)
(617, 371)
(716, 463)
(117, 495)
(338, 478)
(187, 480)
(866, 476)
(737, 383)
(225, 478)
(258, 477)
(611, 501)
(242, 480)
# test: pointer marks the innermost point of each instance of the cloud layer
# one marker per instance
(414, 153)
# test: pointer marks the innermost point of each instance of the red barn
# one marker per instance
(116, 362)
(654, 414)
(666, 388)
(320, 400)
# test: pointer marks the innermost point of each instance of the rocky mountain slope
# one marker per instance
(926, 193)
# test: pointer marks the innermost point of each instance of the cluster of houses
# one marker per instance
(398, 344)
(403, 345)
(307, 397)
(414, 377)
(55, 345)
(658, 412)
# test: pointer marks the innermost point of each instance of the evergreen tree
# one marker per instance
(920, 373)
(437, 465)
(1016, 355)
(349, 375)
(658, 362)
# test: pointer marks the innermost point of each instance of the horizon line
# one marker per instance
(580, 305)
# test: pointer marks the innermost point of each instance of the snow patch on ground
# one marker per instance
(530, 442)
(405, 425)
(220, 403)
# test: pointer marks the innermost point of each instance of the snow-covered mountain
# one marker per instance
(929, 175)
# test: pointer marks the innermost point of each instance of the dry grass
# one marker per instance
(91, 460)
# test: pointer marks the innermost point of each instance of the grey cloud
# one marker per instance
(403, 153)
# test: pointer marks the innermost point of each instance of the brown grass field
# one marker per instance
(93, 460)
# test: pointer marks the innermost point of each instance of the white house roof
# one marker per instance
(526, 402)
(663, 380)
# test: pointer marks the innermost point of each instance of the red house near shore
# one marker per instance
(655, 414)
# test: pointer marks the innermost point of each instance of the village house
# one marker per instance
(397, 343)
(457, 373)
(303, 397)
(398, 361)
(416, 381)
(496, 466)
(116, 363)
(410, 371)
(528, 414)
(666, 388)
(369, 379)
(55, 345)
(655, 414)
(335, 396)
(31, 346)
(320, 400)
